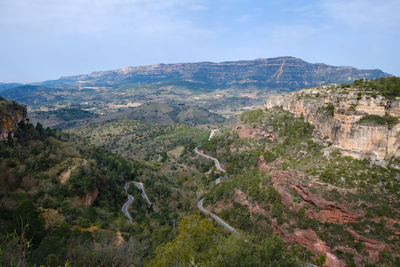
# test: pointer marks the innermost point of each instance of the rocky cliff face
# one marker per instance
(336, 113)
(272, 73)
(11, 113)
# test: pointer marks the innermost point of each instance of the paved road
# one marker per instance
(213, 131)
(215, 217)
(140, 186)
(200, 203)
(127, 203)
(131, 198)
(209, 157)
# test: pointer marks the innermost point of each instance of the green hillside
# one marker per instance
(284, 191)
(140, 141)
(284, 183)
(387, 87)
(157, 113)
(46, 178)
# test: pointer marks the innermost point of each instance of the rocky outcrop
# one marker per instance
(89, 198)
(11, 114)
(328, 211)
(335, 114)
(309, 239)
(320, 208)
(304, 237)
(317, 207)
(252, 133)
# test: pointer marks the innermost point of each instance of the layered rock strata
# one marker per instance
(336, 113)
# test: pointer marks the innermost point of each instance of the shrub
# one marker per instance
(269, 156)
(387, 120)
(389, 87)
(327, 110)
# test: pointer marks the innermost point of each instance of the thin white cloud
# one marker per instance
(100, 16)
(364, 14)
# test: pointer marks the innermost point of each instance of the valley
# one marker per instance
(280, 178)
(227, 88)
(199, 133)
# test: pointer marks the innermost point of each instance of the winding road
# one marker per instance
(140, 186)
(217, 165)
(131, 199)
(127, 203)
(215, 217)
(200, 203)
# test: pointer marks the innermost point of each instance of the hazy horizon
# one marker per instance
(44, 40)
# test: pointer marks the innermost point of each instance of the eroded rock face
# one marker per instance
(252, 133)
(316, 207)
(329, 211)
(89, 198)
(309, 239)
(11, 114)
(305, 237)
(335, 116)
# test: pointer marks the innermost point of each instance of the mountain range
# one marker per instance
(226, 87)
(281, 72)
(309, 179)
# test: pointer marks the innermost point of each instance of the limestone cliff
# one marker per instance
(271, 73)
(338, 115)
(11, 113)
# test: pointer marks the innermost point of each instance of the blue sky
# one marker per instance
(46, 39)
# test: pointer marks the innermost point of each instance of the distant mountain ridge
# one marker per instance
(280, 72)
(33, 94)
(224, 87)
(5, 86)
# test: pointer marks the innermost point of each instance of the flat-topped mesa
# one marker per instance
(11, 114)
(362, 123)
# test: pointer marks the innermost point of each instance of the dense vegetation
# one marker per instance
(58, 226)
(388, 87)
(140, 141)
(199, 244)
(149, 113)
(387, 120)
(358, 184)
(64, 117)
(47, 177)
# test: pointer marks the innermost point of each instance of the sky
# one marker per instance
(45, 39)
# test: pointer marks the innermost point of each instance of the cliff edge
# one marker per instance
(361, 118)
(11, 114)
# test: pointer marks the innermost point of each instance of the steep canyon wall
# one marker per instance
(335, 115)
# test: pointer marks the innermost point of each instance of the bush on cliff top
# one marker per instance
(378, 120)
(6, 105)
(388, 87)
